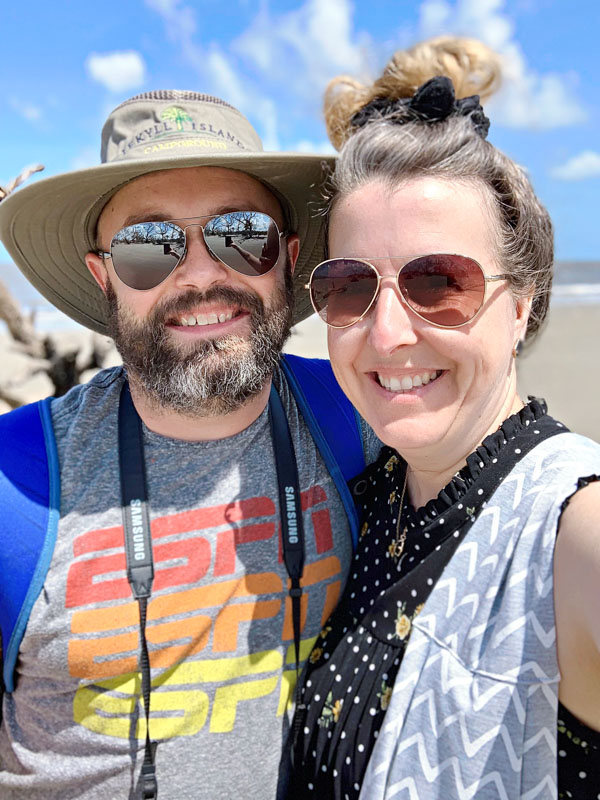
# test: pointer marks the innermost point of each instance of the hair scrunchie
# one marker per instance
(434, 101)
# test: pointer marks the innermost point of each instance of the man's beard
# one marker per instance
(214, 376)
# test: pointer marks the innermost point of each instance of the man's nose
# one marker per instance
(199, 268)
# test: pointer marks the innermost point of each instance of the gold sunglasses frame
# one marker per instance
(487, 279)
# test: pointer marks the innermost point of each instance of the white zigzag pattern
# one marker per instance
(466, 792)
(533, 572)
(519, 480)
(445, 673)
(545, 783)
(544, 733)
(509, 679)
(547, 638)
(542, 468)
(470, 549)
(432, 772)
(547, 691)
(471, 746)
(472, 599)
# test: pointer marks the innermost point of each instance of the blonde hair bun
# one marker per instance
(472, 67)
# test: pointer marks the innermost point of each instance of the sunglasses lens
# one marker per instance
(246, 241)
(341, 290)
(143, 255)
(447, 290)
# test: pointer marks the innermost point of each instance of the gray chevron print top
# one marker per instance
(474, 706)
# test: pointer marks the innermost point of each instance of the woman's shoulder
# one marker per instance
(564, 455)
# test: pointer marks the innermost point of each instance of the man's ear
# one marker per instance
(97, 267)
(293, 248)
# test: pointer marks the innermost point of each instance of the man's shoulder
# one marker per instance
(90, 399)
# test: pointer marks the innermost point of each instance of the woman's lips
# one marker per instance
(402, 384)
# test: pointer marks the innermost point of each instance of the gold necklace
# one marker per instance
(396, 547)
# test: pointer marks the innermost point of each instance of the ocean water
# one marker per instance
(575, 283)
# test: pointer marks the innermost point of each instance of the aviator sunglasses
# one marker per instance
(444, 289)
(145, 254)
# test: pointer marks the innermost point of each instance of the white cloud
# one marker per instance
(584, 165)
(304, 48)
(215, 66)
(28, 111)
(31, 112)
(228, 82)
(117, 71)
(181, 26)
(219, 69)
(267, 111)
(527, 99)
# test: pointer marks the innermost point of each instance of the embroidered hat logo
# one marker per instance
(177, 115)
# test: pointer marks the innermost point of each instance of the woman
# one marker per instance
(439, 674)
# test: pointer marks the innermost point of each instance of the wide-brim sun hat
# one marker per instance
(49, 226)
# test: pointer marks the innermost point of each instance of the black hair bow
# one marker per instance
(434, 101)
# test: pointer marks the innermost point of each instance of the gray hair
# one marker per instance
(393, 153)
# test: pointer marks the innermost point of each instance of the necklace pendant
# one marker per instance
(396, 549)
(397, 546)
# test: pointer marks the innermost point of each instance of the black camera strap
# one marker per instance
(138, 539)
(138, 552)
(290, 510)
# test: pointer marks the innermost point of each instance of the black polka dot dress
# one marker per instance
(348, 681)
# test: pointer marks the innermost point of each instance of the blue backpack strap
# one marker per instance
(29, 513)
(332, 421)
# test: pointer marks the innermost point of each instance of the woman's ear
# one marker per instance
(97, 267)
(523, 310)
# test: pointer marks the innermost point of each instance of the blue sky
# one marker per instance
(66, 64)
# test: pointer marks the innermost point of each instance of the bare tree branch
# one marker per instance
(62, 357)
(19, 326)
(21, 178)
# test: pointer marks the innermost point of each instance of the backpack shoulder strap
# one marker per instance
(29, 513)
(332, 421)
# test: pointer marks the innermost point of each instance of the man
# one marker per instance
(184, 245)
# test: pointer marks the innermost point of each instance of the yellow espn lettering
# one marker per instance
(96, 709)
(108, 706)
(220, 670)
(100, 711)
(192, 705)
(227, 698)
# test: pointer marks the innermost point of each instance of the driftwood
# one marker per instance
(33, 364)
(61, 359)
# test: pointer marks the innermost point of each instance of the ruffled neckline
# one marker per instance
(494, 449)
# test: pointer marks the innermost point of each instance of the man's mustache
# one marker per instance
(245, 300)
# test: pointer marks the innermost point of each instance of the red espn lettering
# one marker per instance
(88, 580)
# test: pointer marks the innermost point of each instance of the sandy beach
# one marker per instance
(562, 366)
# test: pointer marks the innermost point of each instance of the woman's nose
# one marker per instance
(392, 322)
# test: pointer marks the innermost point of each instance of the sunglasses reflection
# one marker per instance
(269, 247)
(146, 253)
(447, 290)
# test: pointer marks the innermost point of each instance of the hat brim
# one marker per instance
(48, 227)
